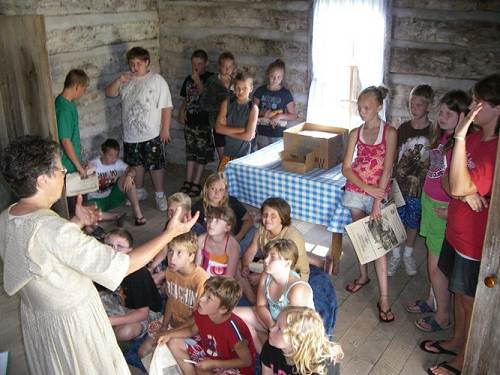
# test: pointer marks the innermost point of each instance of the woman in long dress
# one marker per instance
(52, 264)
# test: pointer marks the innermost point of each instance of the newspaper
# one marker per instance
(161, 362)
(374, 238)
(75, 185)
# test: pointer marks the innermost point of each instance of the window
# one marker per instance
(347, 55)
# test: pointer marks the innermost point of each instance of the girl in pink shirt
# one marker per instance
(368, 174)
(435, 211)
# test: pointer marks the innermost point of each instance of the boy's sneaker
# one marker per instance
(410, 265)
(142, 194)
(393, 265)
(161, 202)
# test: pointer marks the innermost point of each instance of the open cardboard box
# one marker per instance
(326, 142)
(297, 163)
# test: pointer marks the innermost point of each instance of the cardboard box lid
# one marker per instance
(309, 126)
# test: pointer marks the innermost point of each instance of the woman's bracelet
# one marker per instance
(458, 138)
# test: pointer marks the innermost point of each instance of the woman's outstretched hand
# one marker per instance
(177, 227)
(85, 215)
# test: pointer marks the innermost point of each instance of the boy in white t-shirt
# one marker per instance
(116, 182)
(146, 112)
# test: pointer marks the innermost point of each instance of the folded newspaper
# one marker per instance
(374, 238)
(76, 185)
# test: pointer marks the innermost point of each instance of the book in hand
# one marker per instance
(374, 238)
(76, 185)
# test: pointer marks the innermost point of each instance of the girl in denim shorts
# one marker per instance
(368, 174)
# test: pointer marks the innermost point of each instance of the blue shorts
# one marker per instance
(411, 212)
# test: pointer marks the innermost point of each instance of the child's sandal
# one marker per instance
(186, 187)
(195, 190)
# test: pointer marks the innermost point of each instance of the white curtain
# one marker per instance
(346, 33)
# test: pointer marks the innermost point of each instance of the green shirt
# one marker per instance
(67, 128)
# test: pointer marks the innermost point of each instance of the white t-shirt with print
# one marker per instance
(143, 99)
(108, 175)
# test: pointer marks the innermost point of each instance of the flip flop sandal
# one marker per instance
(436, 345)
(420, 307)
(447, 367)
(382, 313)
(429, 324)
(186, 187)
(140, 221)
(356, 286)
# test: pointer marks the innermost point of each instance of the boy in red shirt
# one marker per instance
(216, 340)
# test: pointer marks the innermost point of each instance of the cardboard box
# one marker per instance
(327, 142)
(297, 163)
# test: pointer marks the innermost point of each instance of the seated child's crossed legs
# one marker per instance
(190, 349)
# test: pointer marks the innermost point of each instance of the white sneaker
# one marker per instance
(410, 265)
(161, 202)
(392, 265)
(142, 194)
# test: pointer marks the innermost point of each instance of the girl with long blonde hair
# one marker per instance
(298, 344)
(215, 194)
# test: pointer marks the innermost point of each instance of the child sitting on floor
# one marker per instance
(275, 223)
(218, 251)
(116, 181)
(184, 286)
(279, 286)
(298, 345)
(216, 340)
(215, 193)
(136, 302)
(237, 120)
(158, 265)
